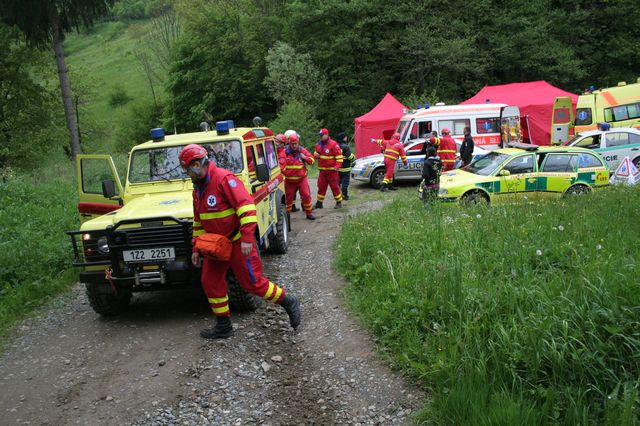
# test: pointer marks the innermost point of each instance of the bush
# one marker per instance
(300, 117)
(143, 116)
(119, 96)
(517, 314)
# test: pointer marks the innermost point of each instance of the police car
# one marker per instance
(614, 145)
(371, 168)
(525, 171)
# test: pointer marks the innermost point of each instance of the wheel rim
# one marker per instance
(285, 226)
(377, 178)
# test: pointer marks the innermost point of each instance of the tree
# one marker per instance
(45, 22)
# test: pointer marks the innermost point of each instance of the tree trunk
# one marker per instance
(65, 87)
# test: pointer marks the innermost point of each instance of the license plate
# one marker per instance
(149, 255)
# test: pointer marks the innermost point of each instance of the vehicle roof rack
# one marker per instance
(525, 146)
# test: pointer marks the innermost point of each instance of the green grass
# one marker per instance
(104, 61)
(35, 253)
(516, 314)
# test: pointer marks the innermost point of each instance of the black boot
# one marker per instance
(222, 330)
(318, 204)
(345, 195)
(291, 304)
(384, 187)
(294, 209)
(338, 205)
(393, 187)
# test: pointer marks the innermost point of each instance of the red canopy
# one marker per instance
(378, 123)
(535, 99)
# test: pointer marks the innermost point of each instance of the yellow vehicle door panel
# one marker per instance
(91, 172)
(562, 120)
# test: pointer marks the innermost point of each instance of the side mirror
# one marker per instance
(108, 189)
(262, 172)
(504, 173)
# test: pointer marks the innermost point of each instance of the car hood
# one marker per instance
(175, 204)
(376, 158)
(460, 177)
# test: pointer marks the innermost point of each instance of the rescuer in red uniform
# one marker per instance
(447, 150)
(281, 142)
(329, 157)
(222, 206)
(392, 150)
(295, 175)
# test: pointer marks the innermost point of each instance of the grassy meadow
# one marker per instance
(513, 314)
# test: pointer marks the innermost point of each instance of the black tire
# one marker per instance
(636, 162)
(474, 198)
(376, 178)
(104, 301)
(576, 190)
(279, 235)
(239, 299)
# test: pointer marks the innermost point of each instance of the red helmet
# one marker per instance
(191, 152)
(324, 131)
(294, 138)
(445, 131)
(281, 138)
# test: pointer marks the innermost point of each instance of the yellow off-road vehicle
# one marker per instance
(138, 237)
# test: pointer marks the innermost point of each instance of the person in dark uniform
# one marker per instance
(466, 149)
(348, 159)
(431, 170)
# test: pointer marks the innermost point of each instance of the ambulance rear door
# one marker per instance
(510, 125)
(562, 121)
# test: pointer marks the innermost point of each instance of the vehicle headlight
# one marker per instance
(102, 245)
(443, 191)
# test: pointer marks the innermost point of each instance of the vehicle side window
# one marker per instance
(633, 138)
(633, 110)
(487, 125)
(225, 155)
(589, 142)
(622, 112)
(520, 165)
(413, 134)
(272, 157)
(416, 149)
(560, 163)
(94, 171)
(251, 164)
(617, 139)
(586, 161)
(456, 126)
(424, 129)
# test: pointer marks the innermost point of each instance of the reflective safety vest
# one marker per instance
(393, 149)
(329, 155)
(295, 168)
(223, 206)
(348, 158)
(447, 150)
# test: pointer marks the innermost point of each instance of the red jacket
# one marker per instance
(329, 155)
(393, 149)
(222, 205)
(447, 151)
(282, 158)
(296, 168)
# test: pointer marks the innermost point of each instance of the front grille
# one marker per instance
(154, 237)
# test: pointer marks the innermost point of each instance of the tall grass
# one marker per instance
(517, 314)
(35, 254)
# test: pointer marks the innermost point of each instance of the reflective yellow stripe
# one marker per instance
(392, 150)
(199, 232)
(326, 157)
(326, 168)
(222, 310)
(312, 160)
(346, 169)
(289, 166)
(446, 150)
(197, 224)
(245, 209)
(269, 291)
(293, 177)
(404, 158)
(248, 219)
(278, 294)
(217, 215)
(236, 237)
(217, 300)
(339, 157)
(391, 156)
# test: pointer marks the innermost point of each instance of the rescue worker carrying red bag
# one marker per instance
(295, 175)
(222, 206)
(447, 150)
(329, 157)
(392, 150)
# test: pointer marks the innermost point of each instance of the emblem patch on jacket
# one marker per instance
(232, 183)
(212, 201)
(326, 150)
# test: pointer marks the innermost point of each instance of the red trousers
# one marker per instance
(332, 179)
(248, 271)
(290, 189)
(448, 166)
(389, 168)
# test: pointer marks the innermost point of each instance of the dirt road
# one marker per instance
(149, 366)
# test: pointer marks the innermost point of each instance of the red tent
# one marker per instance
(380, 122)
(535, 99)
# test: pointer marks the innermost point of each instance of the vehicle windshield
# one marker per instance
(403, 125)
(486, 164)
(156, 164)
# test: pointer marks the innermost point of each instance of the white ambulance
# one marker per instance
(482, 119)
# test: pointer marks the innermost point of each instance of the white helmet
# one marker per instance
(289, 133)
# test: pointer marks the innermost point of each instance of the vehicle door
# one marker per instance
(99, 187)
(557, 173)
(415, 158)
(510, 125)
(518, 178)
(562, 120)
(617, 145)
(256, 158)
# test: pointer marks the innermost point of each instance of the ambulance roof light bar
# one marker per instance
(157, 134)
